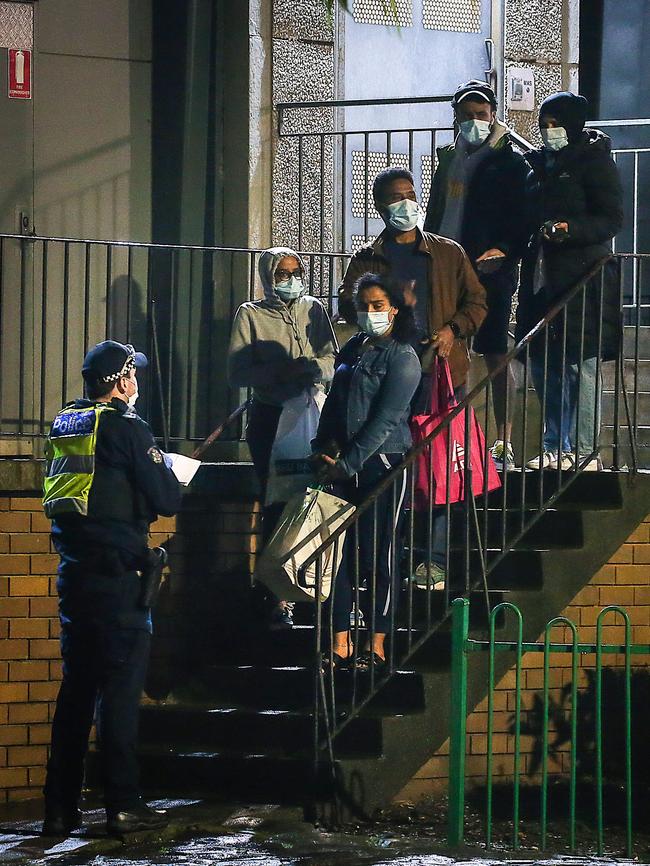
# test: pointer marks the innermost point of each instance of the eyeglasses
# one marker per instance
(281, 276)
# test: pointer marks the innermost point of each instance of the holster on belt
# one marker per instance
(151, 576)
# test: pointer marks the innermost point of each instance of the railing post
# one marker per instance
(458, 715)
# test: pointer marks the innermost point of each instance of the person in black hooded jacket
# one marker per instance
(574, 205)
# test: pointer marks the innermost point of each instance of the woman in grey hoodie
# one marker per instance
(279, 346)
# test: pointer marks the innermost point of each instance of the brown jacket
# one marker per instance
(456, 293)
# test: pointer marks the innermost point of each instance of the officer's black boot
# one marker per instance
(139, 818)
(60, 821)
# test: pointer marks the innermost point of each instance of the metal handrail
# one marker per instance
(334, 722)
(462, 405)
(34, 238)
(282, 107)
(629, 122)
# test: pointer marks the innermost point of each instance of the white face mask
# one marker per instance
(475, 131)
(374, 324)
(289, 289)
(402, 216)
(554, 138)
(133, 398)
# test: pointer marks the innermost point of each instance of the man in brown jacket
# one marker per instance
(449, 305)
(434, 273)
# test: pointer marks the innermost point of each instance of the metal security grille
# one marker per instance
(384, 12)
(358, 241)
(426, 175)
(16, 25)
(362, 192)
(461, 16)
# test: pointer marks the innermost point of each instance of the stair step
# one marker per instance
(643, 375)
(277, 732)
(552, 529)
(249, 778)
(642, 402)
(291, 688)
(296, 646)
(642, 435)
(592, 490)
(625, 456)
(629, 341)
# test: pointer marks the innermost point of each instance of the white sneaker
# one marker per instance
(503, 455)
(594, 465)
(546, 460)
(566, 463)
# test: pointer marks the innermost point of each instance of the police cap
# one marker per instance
(109, 360)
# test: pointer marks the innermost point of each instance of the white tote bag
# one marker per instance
(289, 472)
(313, 514)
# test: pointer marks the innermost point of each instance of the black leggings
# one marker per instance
(384, 562)
(260, 434)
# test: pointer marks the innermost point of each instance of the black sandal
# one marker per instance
(334, 662)
(370, 659)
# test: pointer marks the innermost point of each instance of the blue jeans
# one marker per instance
(580, 401)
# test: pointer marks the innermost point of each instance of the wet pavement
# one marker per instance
(202, 834)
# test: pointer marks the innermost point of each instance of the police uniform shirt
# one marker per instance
(132, 485)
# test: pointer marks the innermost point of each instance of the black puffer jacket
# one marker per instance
(581, 188)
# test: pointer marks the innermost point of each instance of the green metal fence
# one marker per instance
(462, 646)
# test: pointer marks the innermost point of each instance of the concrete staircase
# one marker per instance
(237, 723)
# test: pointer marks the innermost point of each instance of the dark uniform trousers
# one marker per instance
(105, 642)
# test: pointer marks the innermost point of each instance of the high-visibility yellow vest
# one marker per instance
(70, 454)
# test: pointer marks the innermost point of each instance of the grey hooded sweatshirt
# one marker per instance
(267, 334)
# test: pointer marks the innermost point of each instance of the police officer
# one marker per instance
(106, 481)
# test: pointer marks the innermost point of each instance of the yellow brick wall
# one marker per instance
(623, 581)
(30, 665)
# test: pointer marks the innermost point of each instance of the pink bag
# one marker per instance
(431, 463)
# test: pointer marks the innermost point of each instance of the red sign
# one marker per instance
(20, 73)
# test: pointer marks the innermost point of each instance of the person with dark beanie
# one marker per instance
(362, 436)
(574, 206)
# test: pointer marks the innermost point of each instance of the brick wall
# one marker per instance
(624, 581)
(213, 546)
(29, 667)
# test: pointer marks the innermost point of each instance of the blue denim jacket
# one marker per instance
(368, 406)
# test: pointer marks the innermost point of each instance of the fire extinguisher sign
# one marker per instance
(20, 73)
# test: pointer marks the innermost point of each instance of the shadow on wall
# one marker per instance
(613, 727)
(205, 602)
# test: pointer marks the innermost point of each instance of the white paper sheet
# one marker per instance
(184, 468)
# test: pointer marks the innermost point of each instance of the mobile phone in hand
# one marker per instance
(488, 266)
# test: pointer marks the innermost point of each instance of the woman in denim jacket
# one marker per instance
(363, 434)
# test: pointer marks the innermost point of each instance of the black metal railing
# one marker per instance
(565, 353)
(334, 168)
(59, 296)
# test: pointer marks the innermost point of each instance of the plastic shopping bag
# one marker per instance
(431, 465)
(311, 515)
(289, 471)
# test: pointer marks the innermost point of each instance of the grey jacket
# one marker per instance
(367, 409)
(269, 333)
